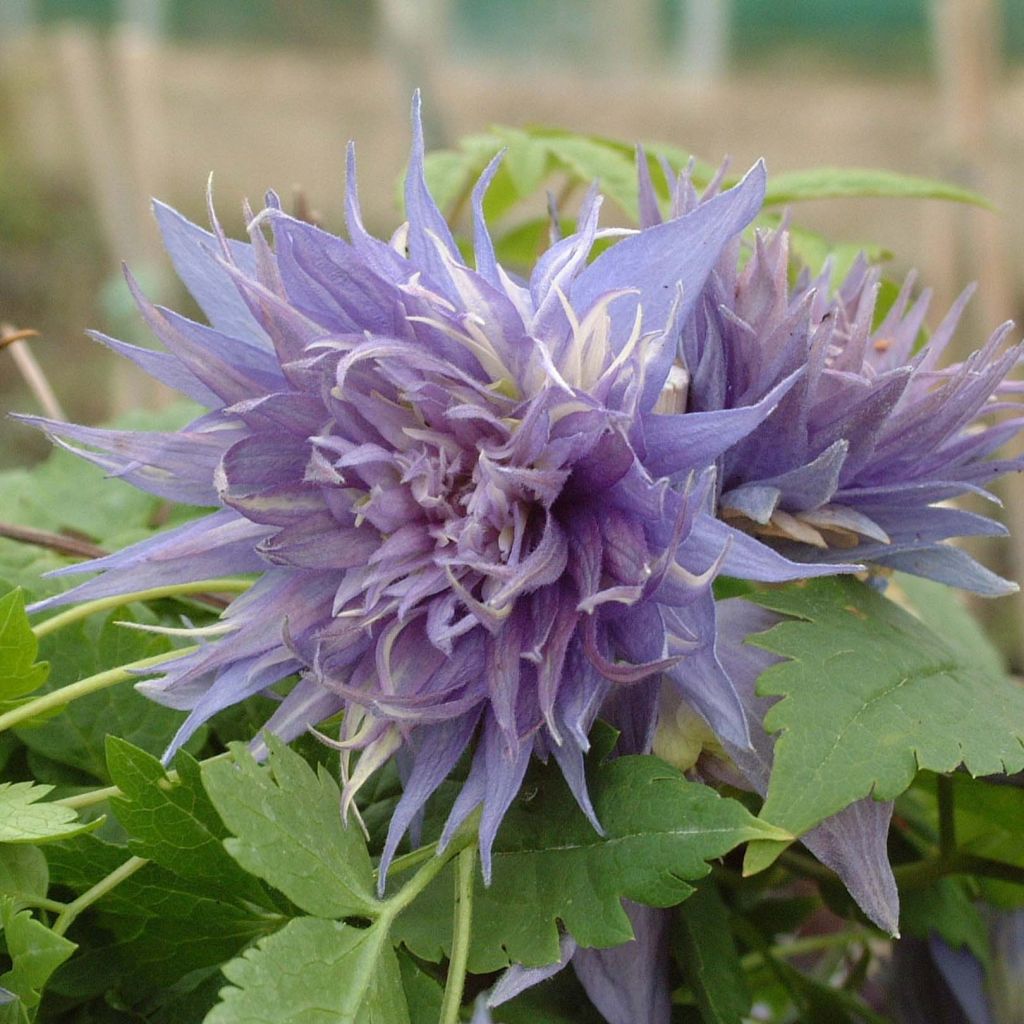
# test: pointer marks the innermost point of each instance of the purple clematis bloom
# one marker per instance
(856, 460)
(471, 525)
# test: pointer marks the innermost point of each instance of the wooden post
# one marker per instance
(703, 49)
(968, 62)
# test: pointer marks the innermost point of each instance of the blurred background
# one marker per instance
(104, 103)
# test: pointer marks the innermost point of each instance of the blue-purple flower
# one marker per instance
(472, 524)
(858, 460)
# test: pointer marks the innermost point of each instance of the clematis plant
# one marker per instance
(464, 532)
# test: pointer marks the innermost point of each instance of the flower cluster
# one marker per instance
(485, 510)
(856, 462)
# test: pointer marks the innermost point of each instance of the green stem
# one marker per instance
(410, 860)
(802, 946)
(89, 799)
(98, 796)
(947, 818)
(41, 902)
(98, 891)
(461, 932)
(102, 604)
(85, 687)
(923, 873)
(426, 874)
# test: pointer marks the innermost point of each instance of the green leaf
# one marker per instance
(423, 994)
(76, 734)
(289, 831)
(161, 926)
(188, 1000)
(526, 159)
(945, 908)
(174, 823)
(550, 865)
(35, 952)
(988, 817)
(23, 872)
(706, 953)
(849, 182)
(19, 672)
(315, 971)
(23, 819)
(449, 174)
(943, 610)
(590, 159)
(520, 246)
(870, 695)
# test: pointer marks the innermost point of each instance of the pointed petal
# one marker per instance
(682, 251)
(195, 254)
(630, 983)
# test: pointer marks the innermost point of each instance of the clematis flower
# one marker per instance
(857, 461)
(473, 523)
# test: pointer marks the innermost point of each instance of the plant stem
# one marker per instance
(426, 874)
(461, 932)
(41, 902)
(85, 687)
(412, 859)
(30, 370)
(922, 873)
(103, 603)
(99, 890)
(89, 799)
(947, 818)
(98, 796)
(802, 946)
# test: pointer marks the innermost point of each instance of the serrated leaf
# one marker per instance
(707, 955)
(35, 952)
(77, 733)
(314, 971)
(19, 672)
(161, 926)
(289, 831)
(550, 865)
(173, 822)
(849, 182)
(23, 819)
(870, 695)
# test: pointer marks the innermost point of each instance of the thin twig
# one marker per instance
(65, 545)
(31, 371)
(9, 335)
(53, 541)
